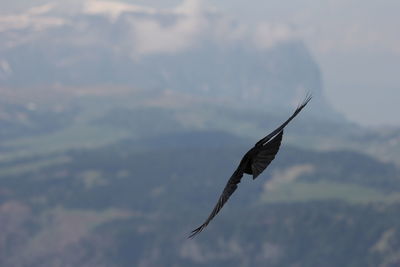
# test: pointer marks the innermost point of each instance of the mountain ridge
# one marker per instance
(186, 50)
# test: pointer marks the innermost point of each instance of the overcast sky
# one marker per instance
(355, 42)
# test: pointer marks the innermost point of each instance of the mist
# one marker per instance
(122, 121)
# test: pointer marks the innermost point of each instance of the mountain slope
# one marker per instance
(187, 50)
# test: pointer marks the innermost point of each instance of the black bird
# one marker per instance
(254, 162)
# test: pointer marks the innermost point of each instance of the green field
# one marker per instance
(322, 190)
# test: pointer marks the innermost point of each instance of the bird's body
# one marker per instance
(254, 162)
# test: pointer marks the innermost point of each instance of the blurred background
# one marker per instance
(121, 122)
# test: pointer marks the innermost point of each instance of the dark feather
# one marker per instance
(254, 162)
(280, 128)
(266, 155)
(228, 191)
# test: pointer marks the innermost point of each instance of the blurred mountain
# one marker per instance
(121, 125)
(189, 50)
(133, 203)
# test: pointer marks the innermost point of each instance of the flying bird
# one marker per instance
(254, 162)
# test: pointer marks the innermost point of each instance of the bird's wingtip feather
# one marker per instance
(307, 99)
(196, 231)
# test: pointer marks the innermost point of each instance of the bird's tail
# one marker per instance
(280, 128)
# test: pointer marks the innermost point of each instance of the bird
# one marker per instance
(254, 162)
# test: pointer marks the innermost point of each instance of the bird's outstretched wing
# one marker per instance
(280, 128)
(228, 191)
(266, 154)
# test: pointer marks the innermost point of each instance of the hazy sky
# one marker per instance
(355, 42)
